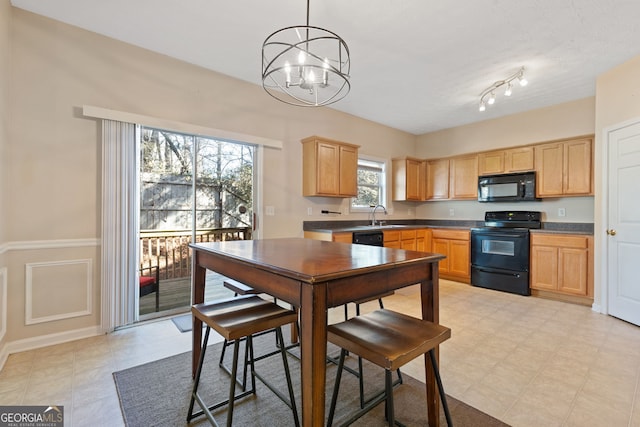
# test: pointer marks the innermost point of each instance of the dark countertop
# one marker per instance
(566, 228)
(351, 226)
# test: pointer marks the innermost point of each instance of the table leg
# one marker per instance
(198, 280)
(313, 343)
(430, 311)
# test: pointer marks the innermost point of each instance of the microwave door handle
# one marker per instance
(522, 189)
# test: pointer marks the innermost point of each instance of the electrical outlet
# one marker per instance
(562, 212)
(452, 212)
(270, 210)
(309, 211)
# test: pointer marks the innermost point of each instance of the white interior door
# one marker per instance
(623, 240)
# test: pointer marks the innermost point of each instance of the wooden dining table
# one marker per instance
(315, 275)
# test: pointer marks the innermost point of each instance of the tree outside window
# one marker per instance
(371, 188)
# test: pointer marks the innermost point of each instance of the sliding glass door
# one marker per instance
(192, 189)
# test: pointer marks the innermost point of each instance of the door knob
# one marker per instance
(611, 232)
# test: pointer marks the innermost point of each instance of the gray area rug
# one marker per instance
(183, 322)
(158, 393)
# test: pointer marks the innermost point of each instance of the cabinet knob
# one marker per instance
(611, 232)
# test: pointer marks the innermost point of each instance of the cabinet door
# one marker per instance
(544, 267)
(577, 167)
(328, 169)
(423, 240)
(441, 246)
(342, 237)
(519, 159)
(464, 177)
(408, 240)
(408, 179)
(437, 179)
(415, 180)
(572, 271)
(391, 239)
(348, 158)
(459, 264)
(491, 163)
(549, 168)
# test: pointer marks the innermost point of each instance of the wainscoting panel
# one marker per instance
(58, 290)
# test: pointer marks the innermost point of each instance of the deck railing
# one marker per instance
(169, 249)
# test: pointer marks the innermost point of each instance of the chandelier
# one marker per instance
(305, 66)
(488, 96)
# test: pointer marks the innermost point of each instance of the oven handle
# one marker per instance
(499, 234)
(503, 273)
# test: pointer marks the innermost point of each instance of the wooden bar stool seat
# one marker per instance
(358, 373)
(389, 340)
(234, 319)
(239, 288)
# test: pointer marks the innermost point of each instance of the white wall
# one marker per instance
(5, 35)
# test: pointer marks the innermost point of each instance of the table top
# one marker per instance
(310, 260)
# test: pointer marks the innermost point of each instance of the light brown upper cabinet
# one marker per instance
(506, 161)
(408, 179)
(463, 176)
(437, 174)
(329, 168)
(564, 168)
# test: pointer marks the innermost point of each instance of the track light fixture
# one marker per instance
(488, 96)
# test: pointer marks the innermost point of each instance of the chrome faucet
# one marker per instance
(373, 213)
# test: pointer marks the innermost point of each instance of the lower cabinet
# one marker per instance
(456, 246)
(414, 240)
(342, 237)
(562, 264)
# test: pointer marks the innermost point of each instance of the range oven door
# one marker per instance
(500, 259)
(505, 249)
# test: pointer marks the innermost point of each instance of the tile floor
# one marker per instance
(526, 361)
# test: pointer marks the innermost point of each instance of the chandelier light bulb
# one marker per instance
(492, 98)
(302, 57)
(482, 106)
(287, 71)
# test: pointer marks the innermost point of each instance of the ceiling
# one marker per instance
(416, 65)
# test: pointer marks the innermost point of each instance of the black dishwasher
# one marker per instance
(370, 237)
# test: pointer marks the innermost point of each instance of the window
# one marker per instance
(371, 185)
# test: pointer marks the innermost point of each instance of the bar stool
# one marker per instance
(358, 373)
(241, 289)
(237, 318)
(389, 340)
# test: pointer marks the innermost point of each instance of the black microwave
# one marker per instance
(510, 187)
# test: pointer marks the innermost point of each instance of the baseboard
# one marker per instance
(46, 340)
(574, 299)
(4, 355)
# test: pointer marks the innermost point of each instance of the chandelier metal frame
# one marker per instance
(306, 66)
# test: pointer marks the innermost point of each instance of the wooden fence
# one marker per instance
(170, 249)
